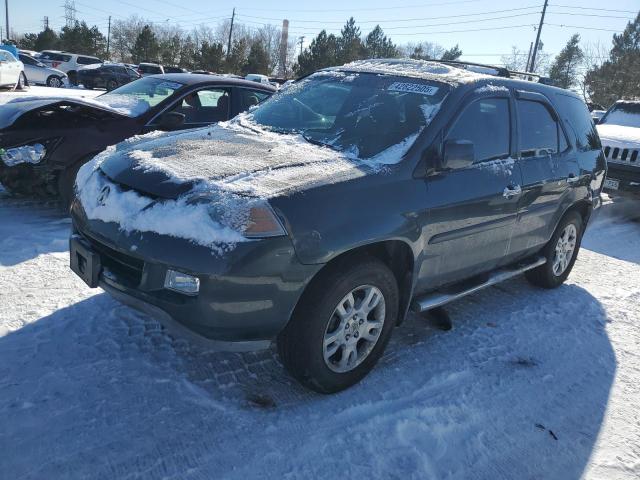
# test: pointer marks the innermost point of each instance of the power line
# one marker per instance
(597, 9)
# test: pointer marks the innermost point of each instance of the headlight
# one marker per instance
(24, 154)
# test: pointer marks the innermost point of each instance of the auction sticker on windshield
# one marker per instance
(413, 88)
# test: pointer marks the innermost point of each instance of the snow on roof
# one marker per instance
(424, 69)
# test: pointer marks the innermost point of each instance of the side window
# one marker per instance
(87, 60)
(486, 123)
(249, 98)
(538, 130)
(576, 115)
(204, 106)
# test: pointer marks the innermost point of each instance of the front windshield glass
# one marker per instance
(361, 115)
(625, 114)
(137, 97)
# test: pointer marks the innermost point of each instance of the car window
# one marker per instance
(27, 60)
(88, 60)
(57, 57)
(626, 114)
(250, 98)
(538, 129)
(139, 96)
(576, 115)
(3, 56)
(486, 123)
(204, 106)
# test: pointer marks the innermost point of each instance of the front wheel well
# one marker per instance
(584, 208)
(396, 254)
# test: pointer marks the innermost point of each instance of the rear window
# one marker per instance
(576, 115)
(149, 69)
(56, 57)
(88, 60)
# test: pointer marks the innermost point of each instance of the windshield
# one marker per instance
(624, 114)
(359, 114)
(137, 97)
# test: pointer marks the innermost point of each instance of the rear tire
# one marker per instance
(341, 325)
(561, 253)
(111, 85)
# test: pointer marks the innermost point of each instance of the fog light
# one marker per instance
(25, 154)
(182, 283)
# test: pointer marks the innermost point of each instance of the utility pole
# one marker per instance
(6, 12)
(300, 42)
(526, 69)
(108, 36)
(233, 16)
(535, 47)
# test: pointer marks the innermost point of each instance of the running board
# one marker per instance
(439, 298)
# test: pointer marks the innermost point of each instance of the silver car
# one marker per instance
(38, 73)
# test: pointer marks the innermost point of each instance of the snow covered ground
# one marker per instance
(530, 384)
(36, 91)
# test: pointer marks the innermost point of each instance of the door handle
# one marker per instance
(512, 191)
(572, 178)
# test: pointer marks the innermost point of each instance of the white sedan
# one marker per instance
(38, 73)
(11, 71)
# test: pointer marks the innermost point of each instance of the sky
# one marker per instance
(485, 30)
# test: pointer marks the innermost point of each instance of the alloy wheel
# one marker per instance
(354, 328)
(565, 246)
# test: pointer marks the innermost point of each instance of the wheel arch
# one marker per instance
(395, 254)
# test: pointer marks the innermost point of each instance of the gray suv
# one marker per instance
(321, 217)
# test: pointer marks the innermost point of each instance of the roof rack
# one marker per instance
(501, 71)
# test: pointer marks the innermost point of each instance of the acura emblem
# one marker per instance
(104, 194)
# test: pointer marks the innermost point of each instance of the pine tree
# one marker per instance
(239, 52)
(452, 54)
(378, 45)
(564, 71)
(211, 57)
(46, 40)
(257, 60)
(619, 76)
(146, 47)
(350, 46)
(322, 53)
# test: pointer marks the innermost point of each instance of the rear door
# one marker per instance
(548, 168)
(473, 210)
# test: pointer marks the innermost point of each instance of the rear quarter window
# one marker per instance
(575, 114)
(88, 60)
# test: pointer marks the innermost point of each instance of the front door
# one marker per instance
(472, 210)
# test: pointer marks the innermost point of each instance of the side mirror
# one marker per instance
(171, 120)
(458, 154)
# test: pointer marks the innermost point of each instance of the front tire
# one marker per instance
(561, 253)
(54, 81)
(341, 326)
(22, 82)
(111, 85)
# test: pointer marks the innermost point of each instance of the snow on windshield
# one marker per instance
(129, 105)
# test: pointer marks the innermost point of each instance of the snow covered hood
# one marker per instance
(413, 68)
(628, 137)
(201, 184)
(12, 111)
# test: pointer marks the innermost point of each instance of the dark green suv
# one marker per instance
(321, 217)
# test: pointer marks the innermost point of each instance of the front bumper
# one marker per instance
(246, 297)
(626, 178)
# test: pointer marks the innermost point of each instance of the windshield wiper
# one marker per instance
(319, 143)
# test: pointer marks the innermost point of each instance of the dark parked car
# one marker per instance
(44, 141)
(173, 69)
(107, 75)
(323, 216)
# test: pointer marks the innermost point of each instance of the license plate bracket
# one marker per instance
(84, 261)
(611, 183)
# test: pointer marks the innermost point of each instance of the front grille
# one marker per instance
(628, 156)
(124, 266)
